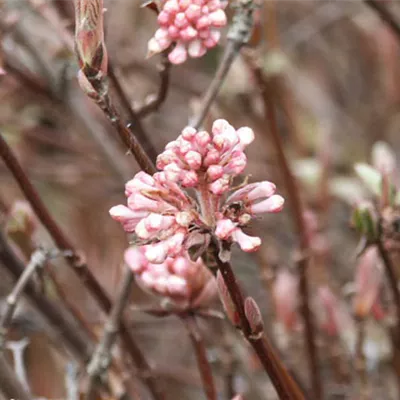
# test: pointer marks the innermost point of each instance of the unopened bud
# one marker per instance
(89, 37)
(226, 300)
(254, 317)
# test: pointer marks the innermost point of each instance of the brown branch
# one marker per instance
(297, 216)
(282, 381)
(393, 283)
(164, 72)
(102, 356)
(201, 356)
(9, 384)
(135, 125)
(387, 17)
(126, 135)
(238, 36)
(77, 265)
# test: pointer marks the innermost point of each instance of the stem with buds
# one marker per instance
(282, 381)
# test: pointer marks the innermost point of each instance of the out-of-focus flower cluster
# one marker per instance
(190, 24)
(179, 279)
(164, 216)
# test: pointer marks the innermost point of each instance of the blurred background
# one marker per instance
(335, 69)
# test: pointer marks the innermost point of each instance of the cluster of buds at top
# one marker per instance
(191, 24)
(186, 283)
(169, 221)
(89, 43)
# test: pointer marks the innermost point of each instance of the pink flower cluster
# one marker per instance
(179, 278)
(191, 24)
(163, 214)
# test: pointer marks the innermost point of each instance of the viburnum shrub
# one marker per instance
(193, 196)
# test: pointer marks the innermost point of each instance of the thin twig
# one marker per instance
(135, 125)
(238, 35)
(164, 72)
(297, 216)
(9, 384)
(282, 381)
(77, 341)
(102, 356)
(38, 259)
(126, 135)
(76, 263)
(201, 356)
(385, 15)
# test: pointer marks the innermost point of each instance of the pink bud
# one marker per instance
(178, 55)
(188, 34)
(196, 49)
(189, 133)
(247, 243)
(217, 18)
(270, 205)
(202, 139)
(224, 229)
(220, 186)
(193, 12)
(253, 191)
(190, 179)
(172, 172)
(246, 136)
(203, 22)
(177, 285)
(181, 21)
(156, 253)
(128, 218)
(171, 6)
(193, 158)
(138, 202)
(215, 172)
(212, 39)
(135, 260)
(164, 18)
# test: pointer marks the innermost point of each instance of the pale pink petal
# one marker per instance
(270, 205)
(247, 243)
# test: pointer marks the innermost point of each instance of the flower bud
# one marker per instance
(89, 37)
(254, 317)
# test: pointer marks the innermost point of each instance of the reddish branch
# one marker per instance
(280, 378)
(77, 265)
(164, 71)
(201, 356)
(297, 216)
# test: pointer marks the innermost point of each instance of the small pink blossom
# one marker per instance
(164, 214)
(191, 25)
